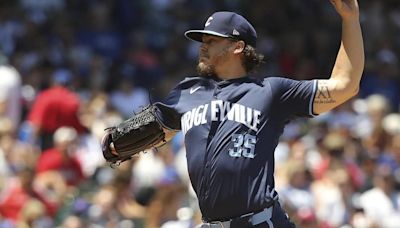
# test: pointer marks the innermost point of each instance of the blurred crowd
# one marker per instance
(70, 69)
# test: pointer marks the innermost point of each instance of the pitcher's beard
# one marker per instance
(205, 70)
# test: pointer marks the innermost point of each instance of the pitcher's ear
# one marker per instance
(239, 47)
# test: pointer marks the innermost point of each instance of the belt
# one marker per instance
(243, 221)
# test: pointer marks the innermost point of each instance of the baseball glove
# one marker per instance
(140, 132)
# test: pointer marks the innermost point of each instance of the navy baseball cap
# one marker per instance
(227, 25)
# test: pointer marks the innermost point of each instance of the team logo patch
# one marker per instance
(208, 22)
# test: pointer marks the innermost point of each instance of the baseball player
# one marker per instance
(232, 122)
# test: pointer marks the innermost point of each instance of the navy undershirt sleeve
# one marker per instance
(167, 111)
(172, 107)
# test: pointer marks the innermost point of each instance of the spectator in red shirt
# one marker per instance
(61, 157)
(17, 192)
(54, 108)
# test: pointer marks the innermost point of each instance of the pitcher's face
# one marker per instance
(213, 52)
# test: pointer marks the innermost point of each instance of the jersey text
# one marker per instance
(221, 111)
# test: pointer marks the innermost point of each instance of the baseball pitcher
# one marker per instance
(232, 122)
